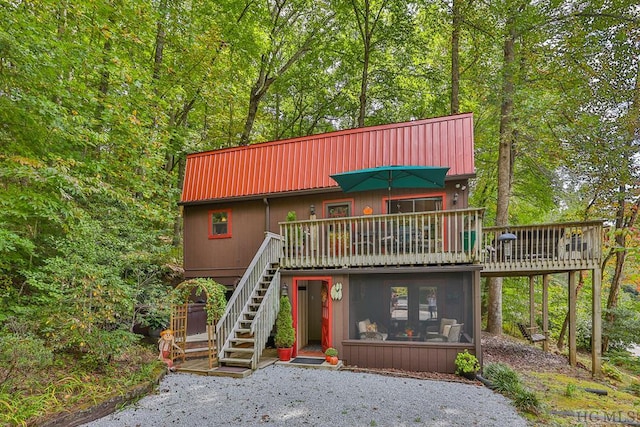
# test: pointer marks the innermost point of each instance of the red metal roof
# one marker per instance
(305, 163)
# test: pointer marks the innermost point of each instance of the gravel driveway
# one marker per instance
(293, 396)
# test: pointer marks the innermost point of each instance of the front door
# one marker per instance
(311, 306)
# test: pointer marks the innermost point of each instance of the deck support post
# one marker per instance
(596, 322)
(532, 301)
(545, 311)
(572, 318)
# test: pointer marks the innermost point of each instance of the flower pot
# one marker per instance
(284, 354)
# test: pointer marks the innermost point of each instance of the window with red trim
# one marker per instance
(220, 224)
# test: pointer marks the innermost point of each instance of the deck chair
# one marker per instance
(452, 334)
(530, 333)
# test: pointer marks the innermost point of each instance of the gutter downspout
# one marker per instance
(267, 216)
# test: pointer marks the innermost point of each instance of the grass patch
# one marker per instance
(65, 385)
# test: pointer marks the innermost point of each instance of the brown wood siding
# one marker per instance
(226, 259)
(418, 357)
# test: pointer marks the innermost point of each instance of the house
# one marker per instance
(388, 276)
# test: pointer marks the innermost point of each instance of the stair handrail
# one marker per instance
(265, 318)
(270, 252)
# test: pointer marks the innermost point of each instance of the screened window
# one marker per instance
(437, 310)
(219, 224)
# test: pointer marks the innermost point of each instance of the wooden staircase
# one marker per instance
(243, 330)
(242, 349)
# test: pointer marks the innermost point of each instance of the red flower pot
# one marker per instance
(284, 354)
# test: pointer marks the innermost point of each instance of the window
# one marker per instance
(338, 210)
(405, 308)
(219, 224)
(415, 204)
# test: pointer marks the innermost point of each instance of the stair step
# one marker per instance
(243, 340)
(243, 331)
(239, 350)
(234, 361)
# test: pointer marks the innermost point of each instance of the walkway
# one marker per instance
(292, 396)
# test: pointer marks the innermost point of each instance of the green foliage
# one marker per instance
(21, 356)
(285, 334)
(331, 352)
(466, 363)
(624, 330)
(570, 390)
(507, 382)
(214, 292)
(611, 371)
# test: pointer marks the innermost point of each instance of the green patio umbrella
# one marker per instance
(389, 177)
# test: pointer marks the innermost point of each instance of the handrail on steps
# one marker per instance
(270, 251)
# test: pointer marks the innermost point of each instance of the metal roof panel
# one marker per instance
(306, 163)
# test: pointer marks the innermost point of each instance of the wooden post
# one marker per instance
(596, 322)
(545, 311)
(572, 317)
(477, 307)
(532, 302)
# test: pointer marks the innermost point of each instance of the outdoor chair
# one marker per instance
(371, 331)
(451, 334)
(443, 322)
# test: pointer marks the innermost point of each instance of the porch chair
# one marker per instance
(530, 333)
(443, 322)
(451, 334)
(371, 331)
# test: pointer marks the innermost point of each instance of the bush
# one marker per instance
(504, 379)
(285, 334)
(466, 364)
(507, 382)
(20, 356)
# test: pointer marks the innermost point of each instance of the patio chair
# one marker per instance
(452, 334)
(370, 331)
(443, 322)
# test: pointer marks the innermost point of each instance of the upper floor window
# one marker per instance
(219, 224)
(338, 210)
(414, 204)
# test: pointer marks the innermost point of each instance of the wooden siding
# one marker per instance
(305, 163)
(417, 357)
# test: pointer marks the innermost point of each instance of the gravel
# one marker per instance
(294, 396)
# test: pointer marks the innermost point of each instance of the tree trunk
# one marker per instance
(565, 323)
(455, 52)
(505, 169)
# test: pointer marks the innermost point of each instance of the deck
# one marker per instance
(441, 238)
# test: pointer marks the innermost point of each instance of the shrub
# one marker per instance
(285, 334)
(466, 364)
(507, 382)
(504, 379)
(331, 352)
(21, 355)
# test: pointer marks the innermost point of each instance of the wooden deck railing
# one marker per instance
(542, 247)
(440, 237)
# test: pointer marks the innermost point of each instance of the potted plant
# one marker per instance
(467, 365)
(331, 355)
(285, 334)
